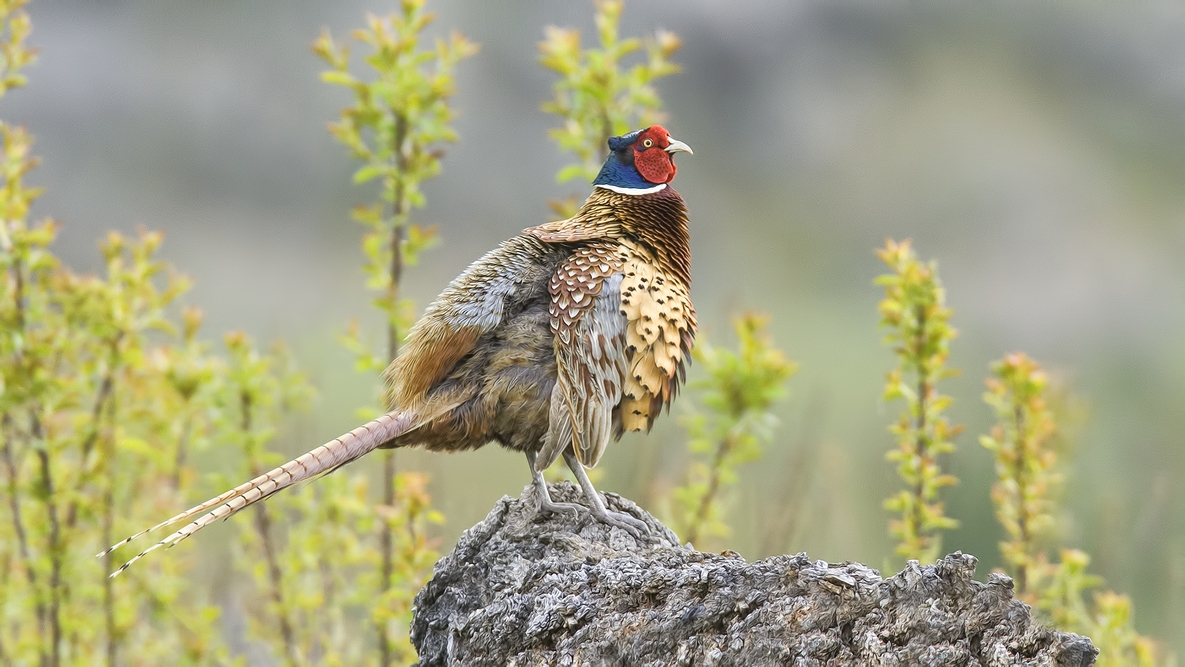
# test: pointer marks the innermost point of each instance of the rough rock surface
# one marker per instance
(523, 588)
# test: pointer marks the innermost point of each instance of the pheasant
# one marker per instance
(552, 344)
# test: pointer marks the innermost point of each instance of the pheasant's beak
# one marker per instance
(677, 146)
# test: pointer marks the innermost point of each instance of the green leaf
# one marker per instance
(338, 77)
(368, 173)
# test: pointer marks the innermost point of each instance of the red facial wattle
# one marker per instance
(651, 158)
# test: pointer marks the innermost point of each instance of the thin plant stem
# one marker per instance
(182, 447)
(43, 614)
(705, 504)
(398, 207)
(923, 393)
(386, 538)
(108, 526)
(914, 309)
(4, 657)
(1022, 568)
(105, 393)
(18, 293)
(108, 593)
(55, 542)
(387, 548)
(263, 527)
(329, 591)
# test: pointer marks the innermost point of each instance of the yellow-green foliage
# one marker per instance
(914, 310)
(730, 422)
(1112, 632)
(407, 518)
(1025, 445)
(1021, 443)
(105, 394)
(1061, 591)
(313, 553)
(15, 55)
(596, 96)
(256, 392)
(395, 127)
(101, 389)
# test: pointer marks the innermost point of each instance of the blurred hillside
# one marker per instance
(1038, 151)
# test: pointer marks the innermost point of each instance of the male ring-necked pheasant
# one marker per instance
(558, 340)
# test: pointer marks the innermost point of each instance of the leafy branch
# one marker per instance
(395, 127)
(914, 310)
(15, 55)
(1025, 460)
(1025, 443)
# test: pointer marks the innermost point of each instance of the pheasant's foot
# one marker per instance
(629, 524)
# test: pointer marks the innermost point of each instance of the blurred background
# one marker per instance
(1037, 150)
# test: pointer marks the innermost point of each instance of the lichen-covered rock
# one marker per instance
(525, 588)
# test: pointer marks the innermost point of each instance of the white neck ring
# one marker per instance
(632, 191)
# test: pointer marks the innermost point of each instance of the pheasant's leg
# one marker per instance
(545, 502)
(626, 522)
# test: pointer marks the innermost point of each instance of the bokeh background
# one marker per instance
(1037, 150)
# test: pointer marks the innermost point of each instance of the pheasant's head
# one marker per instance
(641, 161)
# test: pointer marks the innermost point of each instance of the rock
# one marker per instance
(524, 588)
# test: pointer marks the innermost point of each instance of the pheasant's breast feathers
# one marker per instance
(660, 322)
(659, 335)
(645, 239)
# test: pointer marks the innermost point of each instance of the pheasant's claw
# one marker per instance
(625, 522)
(638, 529)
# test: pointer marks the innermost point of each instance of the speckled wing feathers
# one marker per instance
(630, 254)
(589, 345)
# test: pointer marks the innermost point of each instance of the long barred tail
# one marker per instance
(320, 461)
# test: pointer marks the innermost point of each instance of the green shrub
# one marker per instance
(1026, 448)
(729, 422)
(396, 125)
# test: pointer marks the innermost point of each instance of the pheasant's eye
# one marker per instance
(647, 143)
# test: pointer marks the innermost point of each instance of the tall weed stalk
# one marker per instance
(915, 313)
